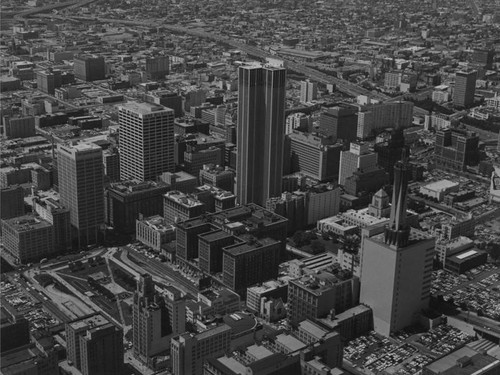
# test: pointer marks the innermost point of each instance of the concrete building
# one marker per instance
(465, 88)
(464, 361)
(438, 189)
(154, 231)
(178, 206)
(157, 67)
(188, 351)
(250, 262)
(89, 68)
(60, 218)
(146, 141)
(313, 156)
(455, 149)
(260, 132)
(111, 161)
(28, 238)
(217, 176)
(359, 156)
(95, 346)
(48, 80)
(14, 328)
(399, 293)
(125, 201)
(210, 249)
(19, 127)
(313, 295)
(272, 289)
(339, 123)
(374, 117)
(80, 178)
(308, 91)
(11, 202)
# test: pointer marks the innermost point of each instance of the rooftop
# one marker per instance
(471, 363)
(27, 222)
(90, 322)
(144, 108)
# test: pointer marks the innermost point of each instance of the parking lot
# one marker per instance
(404, 354)
(24, 303)
(477, 290)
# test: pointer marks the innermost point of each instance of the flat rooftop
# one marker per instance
(27, 223)
(144, 108)
(94, 321)
(245, 247)
(474, 361)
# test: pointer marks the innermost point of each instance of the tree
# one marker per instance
(317, 247)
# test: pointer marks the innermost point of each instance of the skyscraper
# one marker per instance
(156, 319)
(391, 151)
(359, 156)
(261, 131)
(396, 266)
(81, 179)
(465, 87)
(146, 141)
(308, 91)
(89, 68)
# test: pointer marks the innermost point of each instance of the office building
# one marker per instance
(217, 176)
(14, 328)
(60, 218)
(210, 250)
(392, 80)
(250, 262)
(339, 123)
(48, 80)
(465, 87)
(167, 99)
(308, 91)
(483, 57)
(28, 238)
(157, 67)
(189, 350)
(154, 231)
(260, 132)
(80, 178)
(313, 295)
(358, 157)
(455, 150)
(11, 202)
(250, 219)
(399, 293)
(89, 68)
(315, 157)
(372, 118)
(156, 319)
(125, 201)
(214, 302)
(178, 206)
(19, 127)
(146, 141)
(267, 290)
(95, 346)
(111, 161)
(389, 152)
(195, 159)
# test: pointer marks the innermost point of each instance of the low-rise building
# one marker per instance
(154, 231)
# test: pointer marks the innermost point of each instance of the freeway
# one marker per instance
(68, 4)
(341, 85)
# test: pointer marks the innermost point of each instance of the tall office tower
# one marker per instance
(465, 87)
(396, 266)
(59, 217)
(146, 141)
(391, 151)
(373, 117)
(111, 161)
(483, 57)
(308, 91)
(261, 132)
(339, 123)
(359, 156)
(81, 178)
(153, 322)
(89, 68)
(95, 346)
(157, 67)
(188, 350)
(455, 149)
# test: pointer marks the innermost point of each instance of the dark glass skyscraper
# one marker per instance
(261, 132)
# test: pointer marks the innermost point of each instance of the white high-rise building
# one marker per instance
(81, 186)
(146, 141)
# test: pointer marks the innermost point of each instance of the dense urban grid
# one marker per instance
(222, 187)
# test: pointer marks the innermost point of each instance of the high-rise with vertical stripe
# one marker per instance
(146, 141)
(261, 132)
